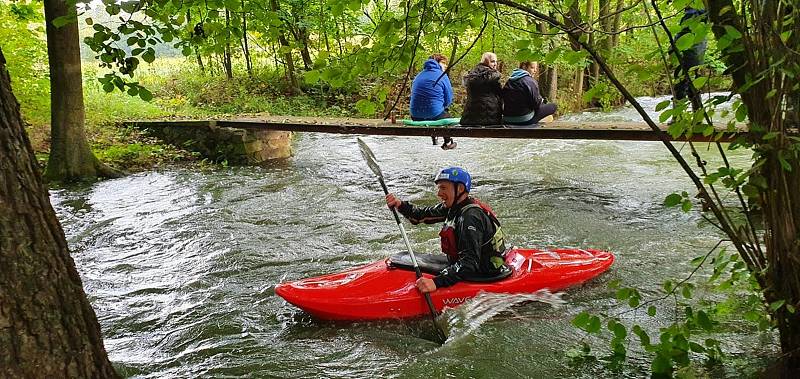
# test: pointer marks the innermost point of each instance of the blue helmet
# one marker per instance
(455, 175)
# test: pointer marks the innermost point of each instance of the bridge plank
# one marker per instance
(630, 131)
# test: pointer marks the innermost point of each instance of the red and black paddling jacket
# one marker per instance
(471, 237)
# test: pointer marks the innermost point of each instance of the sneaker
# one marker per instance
(434, 139)
(449, 145)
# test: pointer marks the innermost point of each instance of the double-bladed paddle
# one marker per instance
(373, 165)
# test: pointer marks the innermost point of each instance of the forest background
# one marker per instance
(301, 58)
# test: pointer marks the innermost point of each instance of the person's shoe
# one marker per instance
(434, 139)
(449, 145)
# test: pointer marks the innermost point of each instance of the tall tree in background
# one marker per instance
(70, 155)
(47, 327)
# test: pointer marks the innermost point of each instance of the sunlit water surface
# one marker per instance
(180, 264)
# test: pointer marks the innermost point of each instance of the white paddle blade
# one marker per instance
(369, 157)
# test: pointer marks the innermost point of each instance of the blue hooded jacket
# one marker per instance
(429, 100)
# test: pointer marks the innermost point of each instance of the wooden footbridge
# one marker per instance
(259, 139)
(629, 131)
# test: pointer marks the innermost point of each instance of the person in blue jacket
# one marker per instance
(523, 104)
(431, 95)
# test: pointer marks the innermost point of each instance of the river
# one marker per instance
(180, 264)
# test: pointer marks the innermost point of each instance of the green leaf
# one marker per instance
(668, 286)
(665, 115)
(643, 337)
(686, 205)
(696, 347)
(594, 325)
(624, 293)
(89, 21)
(108, 86)
(686, 292)
(770, 136)
(581, 320)
(732, 33)
(772, 93)
(785, 36)
(149, 56)
(775, 305)
(311, 77)
(365, 106)
(354, 5)
(552, 56)
(685, 42)
(661, 365)
(522, 44)
(700, 82)
(144, 94)
(663, 105)
(673, 200)
(784, 163)
(618, 329)
(703, 321)
(651, 311)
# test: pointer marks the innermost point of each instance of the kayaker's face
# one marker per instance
(446, 192)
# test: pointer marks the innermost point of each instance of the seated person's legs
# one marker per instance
(545, 110)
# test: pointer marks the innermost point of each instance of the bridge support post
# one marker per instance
(264, 145)
(224, 144)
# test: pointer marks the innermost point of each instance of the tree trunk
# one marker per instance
(227, 60)
(454, 50)
(199, 61)
(548, 77)
(245, 48)
(302, 34)
(196, 50)
(616, 24)
(324, 29)
(70, 155)
(294, 86)
(574, 20)
(47, 326)
(781, 203)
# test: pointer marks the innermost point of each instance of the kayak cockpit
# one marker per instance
(434, 264)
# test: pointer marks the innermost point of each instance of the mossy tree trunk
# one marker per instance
(47, 327)
(780, 202)
(70, 155)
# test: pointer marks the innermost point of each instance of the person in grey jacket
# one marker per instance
(522, 102)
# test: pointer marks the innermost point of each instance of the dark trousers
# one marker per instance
(692, 57)
(444, 114)
(545, 110)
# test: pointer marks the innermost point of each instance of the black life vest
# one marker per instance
(448, 232)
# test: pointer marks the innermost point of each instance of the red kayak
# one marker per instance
(385, 289)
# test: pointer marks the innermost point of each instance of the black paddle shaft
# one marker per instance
(416, 267)
(373, 165)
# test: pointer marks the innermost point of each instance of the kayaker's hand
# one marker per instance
(426, 285)
(392, 201)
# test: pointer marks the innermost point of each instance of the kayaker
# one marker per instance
(471, 236)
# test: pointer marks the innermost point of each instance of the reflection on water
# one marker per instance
(180, 265)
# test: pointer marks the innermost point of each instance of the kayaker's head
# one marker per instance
(452, 185)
